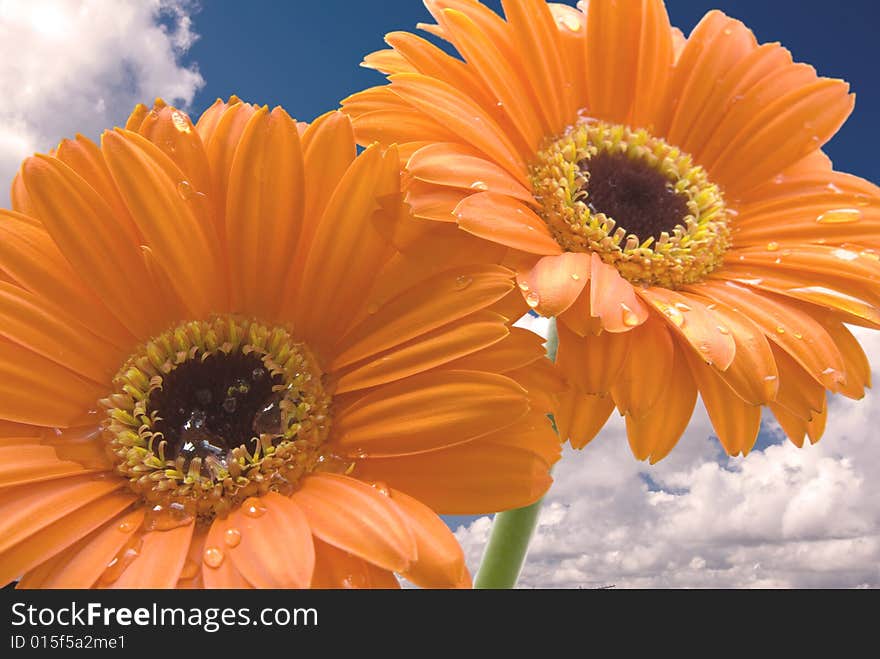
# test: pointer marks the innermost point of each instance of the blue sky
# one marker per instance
(780, 517)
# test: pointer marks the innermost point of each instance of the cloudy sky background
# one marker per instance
(781, 517)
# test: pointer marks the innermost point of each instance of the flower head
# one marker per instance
(667, 199)
(226, 364)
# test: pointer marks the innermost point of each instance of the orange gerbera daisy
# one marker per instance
(665, 198)
(217, 370)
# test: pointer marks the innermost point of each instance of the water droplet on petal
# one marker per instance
(232, 537)
(575, 276)
(840, 216)
(462, 282)
(382, 487)
(723, 330)
(681, 306)
(253, 507)
(523, 286)
(772, 247)
(127, 526)
(780, 329)
(213, 557)
(845, 254)
(372, 308)
(185, 190)
(770, 378)
(479, 185)
(180, 122)
(674, 315)
(630, 319)
(533, 299)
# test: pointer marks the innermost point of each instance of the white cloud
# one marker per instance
(782, 517)
(79, 66)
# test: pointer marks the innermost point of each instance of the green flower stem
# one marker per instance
(512, 530)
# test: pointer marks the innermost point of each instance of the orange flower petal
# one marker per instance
(462, 116)
(794, 330)
(638, 386)
(798, 392)
(434, 302)
(656, 434)
(28, 509)
(459, 166)
(359, 519)
(794, 427)
(753, 373)
(736, 421)
(613, 299)
(428, 411)
(159, 560)
(29, 321)
(60, 534)
(440, 562)
(555, 282)
(174, 224)
(517, 350)
(33, 259)
(335, 568)
(533, 31)
(224, 574)
(82, 225)
(468, 479)
(629, 59)
(499, 74)
(37, 391)
(82, 564)
(699, 325)
(592, 364)
(264, 209)
(505, 221)
(275, 548)
(724, 43)
(32, 463)
(423, 353)
(582, 416)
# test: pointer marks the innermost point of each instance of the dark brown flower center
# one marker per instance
(207, 408)
(212, 412)
(639, 197)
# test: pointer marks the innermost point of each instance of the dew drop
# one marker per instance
(382, 488)
(533, 299)
(127, 526)
(798, 335)
(845, 254)
(772, 247)
(834, 188)
(780, 329)
(523, 286)
(681, 306)
(630, 319)
(372, 308)
(232, 537)
(213, 557)
(723, 330)
(185, 190)
(575, 276)
(479, 185)
(462, 282)
(840, 216)
(770, 378)
(674, 315)
(180, 122)
(253, 507)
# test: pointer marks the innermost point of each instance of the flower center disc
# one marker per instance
(638, 202)
(211, 413)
